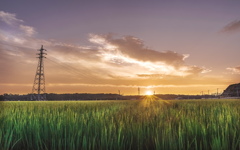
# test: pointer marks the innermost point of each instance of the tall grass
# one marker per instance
(192, 124)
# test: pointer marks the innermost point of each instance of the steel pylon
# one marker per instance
(38, 90)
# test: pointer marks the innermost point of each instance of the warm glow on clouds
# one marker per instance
(232, 27)
(235, 70)
(131, 53)
(107, 62)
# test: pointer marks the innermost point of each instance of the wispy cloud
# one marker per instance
(16, 25)
(234, 70)
(29, 31)
(9, 18)
(232, 27)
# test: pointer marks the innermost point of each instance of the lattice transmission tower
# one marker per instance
(38, 90)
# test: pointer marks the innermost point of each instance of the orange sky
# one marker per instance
(166, 47)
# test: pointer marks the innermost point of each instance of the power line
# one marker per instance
(73, 70)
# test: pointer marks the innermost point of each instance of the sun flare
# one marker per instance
(149, 93)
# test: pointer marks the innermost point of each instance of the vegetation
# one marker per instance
(113, 125)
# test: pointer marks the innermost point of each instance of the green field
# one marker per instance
(137, 124)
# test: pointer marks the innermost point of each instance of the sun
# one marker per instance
(149, 93)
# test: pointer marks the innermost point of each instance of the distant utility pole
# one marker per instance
(237, 92)
(38, 90)
(119, 92)
(138, 91)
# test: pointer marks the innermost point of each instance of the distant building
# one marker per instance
(232, 91)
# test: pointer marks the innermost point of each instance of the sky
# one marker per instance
(108, 46)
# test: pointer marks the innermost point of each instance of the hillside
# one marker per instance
(232, 90)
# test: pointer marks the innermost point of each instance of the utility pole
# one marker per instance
(237, 92)
(38, 90)
(138, 91)
(202, 93)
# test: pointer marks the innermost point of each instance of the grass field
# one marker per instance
(138, 124)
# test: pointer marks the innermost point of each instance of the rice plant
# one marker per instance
(118, 125)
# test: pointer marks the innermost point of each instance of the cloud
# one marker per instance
(9, 18)
(106, 60)
(125, 57)
(130, 52)
(134, 48)
(29, 31)
(234, 70)
(16, 24)
(101, 64)
(150, 75)
(232, 27)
